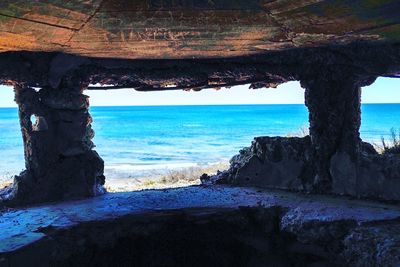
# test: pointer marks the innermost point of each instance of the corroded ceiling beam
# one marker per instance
(193, 44)
(182, 29)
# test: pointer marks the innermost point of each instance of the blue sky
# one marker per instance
(384, 90)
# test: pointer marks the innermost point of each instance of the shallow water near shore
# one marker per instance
(153, 141)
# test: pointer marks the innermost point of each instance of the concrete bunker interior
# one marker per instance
(333, 52)
(49, 103)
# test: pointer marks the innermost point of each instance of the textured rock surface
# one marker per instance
(289, 163)
(334, 103)
(161, 29)
(198, 226)
(373, 176)
(362, 59)
(57, 133)
(276, 162)
(377, 245)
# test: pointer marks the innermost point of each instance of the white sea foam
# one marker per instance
(147, 166)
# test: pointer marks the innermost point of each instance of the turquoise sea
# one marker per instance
(138, 140)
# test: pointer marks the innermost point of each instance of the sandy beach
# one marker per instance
(173, 178)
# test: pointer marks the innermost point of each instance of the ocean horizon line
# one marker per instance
(206, 105)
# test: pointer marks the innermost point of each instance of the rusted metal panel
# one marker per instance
(158, 29)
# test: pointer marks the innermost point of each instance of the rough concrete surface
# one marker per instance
(312, 229)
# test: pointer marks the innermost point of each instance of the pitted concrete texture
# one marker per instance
(312, 219)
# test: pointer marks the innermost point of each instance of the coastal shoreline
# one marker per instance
(164, 178)
(171, 178)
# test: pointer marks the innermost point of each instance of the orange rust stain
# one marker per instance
(136, 31)
(57, 15)
(12, 42)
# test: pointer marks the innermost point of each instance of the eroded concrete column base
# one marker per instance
(57, 133)
(332, 159)
(334, 103)
(287, 163)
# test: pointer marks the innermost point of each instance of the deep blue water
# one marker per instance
(136, 138)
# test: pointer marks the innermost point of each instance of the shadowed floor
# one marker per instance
(319, 225)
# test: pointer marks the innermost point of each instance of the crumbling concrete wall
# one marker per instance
(333, 159)
(283, 163)
(288, 163)
(333, 99)
(57, 134)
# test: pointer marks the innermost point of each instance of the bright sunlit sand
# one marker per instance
(171, 179)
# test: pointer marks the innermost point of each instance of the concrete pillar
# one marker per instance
(334, 104)
(59, 157)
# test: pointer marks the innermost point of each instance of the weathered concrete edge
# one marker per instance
(288, 164)
(269, 69)
(22, 227)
